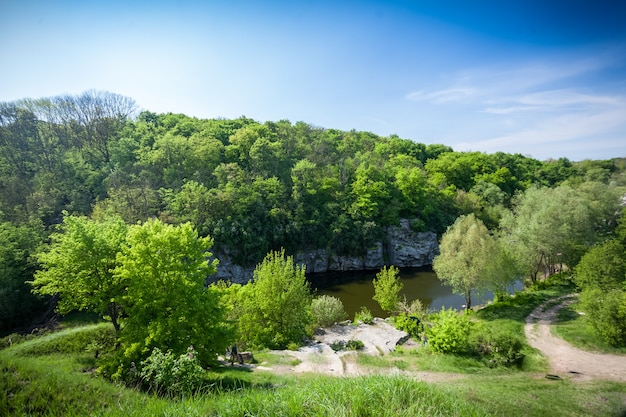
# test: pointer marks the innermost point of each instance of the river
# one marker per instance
(355, 289)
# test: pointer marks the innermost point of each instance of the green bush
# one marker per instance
(498, 347)
(408, 323)
(606, 311)
(327, 310)
(166, 374)
(352, 344)
(450, 332)
(363, 316)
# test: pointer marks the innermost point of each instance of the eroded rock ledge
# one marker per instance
(402, 247)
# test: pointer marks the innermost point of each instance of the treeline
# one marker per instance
(253, 187)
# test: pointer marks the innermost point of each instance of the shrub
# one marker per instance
(166, 374)
(606, 311)
(408, 323)
(363, 316)
(352, 344)
(327, 310)
(498, 347)
(387, 287)
(450, 332)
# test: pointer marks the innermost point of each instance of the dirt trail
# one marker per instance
(566, 360)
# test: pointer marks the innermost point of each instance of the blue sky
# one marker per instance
(541, 78)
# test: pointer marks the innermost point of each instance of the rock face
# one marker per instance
(407, 248)
(403, 248)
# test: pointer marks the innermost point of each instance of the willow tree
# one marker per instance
(465, 253)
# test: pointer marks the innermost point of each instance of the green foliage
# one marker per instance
(450, 332)
(352, 344)
(164, 373)
(276, 305)
(17, 246)
(387, 287)
(498, 347)
(327, 310)
(601, 274)
(603, 266)
(164, 268)
(256, 187)
(363, 316)
(96, 340)
(607, 312)
(78, 264)
(466, 250)
(408, 323)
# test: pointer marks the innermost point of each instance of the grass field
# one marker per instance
(53, 375)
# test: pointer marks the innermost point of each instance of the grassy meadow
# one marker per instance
(55, 375)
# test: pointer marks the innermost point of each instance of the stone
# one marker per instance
(402, 248)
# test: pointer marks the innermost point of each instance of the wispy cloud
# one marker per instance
(447, 95)
(561, 131)
(532, 107)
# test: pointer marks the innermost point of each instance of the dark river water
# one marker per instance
(355, 289)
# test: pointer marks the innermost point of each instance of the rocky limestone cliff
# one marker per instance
(402, 247)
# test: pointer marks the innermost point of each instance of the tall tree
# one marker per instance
(465, 252)
(164, 269)
(78, 266)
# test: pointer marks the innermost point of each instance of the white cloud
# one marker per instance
(561, 132)
(454, 94)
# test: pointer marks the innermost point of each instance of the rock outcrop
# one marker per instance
(402, 247)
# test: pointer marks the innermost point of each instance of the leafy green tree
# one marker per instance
(466, 250)
(549, 227)
(602, 267)
(276, 304)
(327, 310)
(601, 274)
(78, 266)
(167, 303)
(17, 245)
(502, 270)
(387, 287)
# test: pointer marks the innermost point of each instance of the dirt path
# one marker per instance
(566, 360)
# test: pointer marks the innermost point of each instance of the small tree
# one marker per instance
(276, 305)
(465, 252)
(387, 287)
(327, 310)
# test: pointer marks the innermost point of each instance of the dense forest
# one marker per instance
(258, 187)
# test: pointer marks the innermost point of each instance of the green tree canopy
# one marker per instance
(78, 266)
(387, 287)
(276, 304)
(164, 269)
(465, 252)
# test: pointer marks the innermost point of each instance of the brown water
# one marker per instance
(355, 289)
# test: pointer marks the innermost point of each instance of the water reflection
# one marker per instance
(355, 289)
